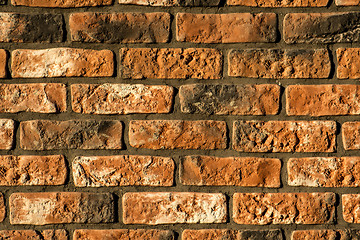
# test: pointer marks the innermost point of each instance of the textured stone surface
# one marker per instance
(347, 2)
(230, 99)
(62, 62)
(284, 136)
(166, 208)
(32, 170)
(177, 134)
(120, 27)
(112, 234)
(279, 3)
(3, 62)
(61, 207)
(123, 171)
(279, 63)
(317, 234)
(7, 130)
(227, 234)
(173, 3)
(216, 171)
(61, 3)
(201, 63)
(350, 207)
(73, 134)
(2, 208)
(324, 172)
(37, 97)
(22, 27)
(59, 234)
(283, 208)
(351, 135)
(348, 63)
(121, 98)
(226, 28)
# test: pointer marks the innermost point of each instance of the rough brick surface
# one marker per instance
(61, 62)
(3, 62)
(2, 208)
(73, 134)
(166, 208)
(226, 28)
(347, 2)
(284, 136)
(348, 67)
(173, 3)
(279, 63)
(351, 135)
(177, 134)
(61, 3)
(325, 234)
(283, 208)
(230, 99)
(7, 129)
(34, 235)
(216, 171)
(61, 207)
(121, 98)
(123, 171)
(111, 234)
(277, 3)
(350, 207)
(226, 234)
(140, 63)
(120, 27)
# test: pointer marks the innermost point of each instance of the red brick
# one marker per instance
(226, 28)
(227, 234)
(37, 97)
(3, 63)
(61, 3)
(112, 234)
(73, 134)
(316, 234)
(168, 208)
(277, 3)
(59, 234)
(279, 63)
(284, 136)
(350, 207)
(7, 133)
(61, 207)
(123, 171)
(62, 62)
(231, 171)
(323, 100)
(201, 63)
(121, 98)
(348, 63)
(351, 135)
(177, 134)
(284, 208)
(347, 2)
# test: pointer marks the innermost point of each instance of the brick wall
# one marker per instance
(180, 119)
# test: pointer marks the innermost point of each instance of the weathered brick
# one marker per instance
(226, 28)
(284, 208)
(37, 97)
(231, 171)
(3, 63)
(133, 234)
(277, 3)
(351, 135)
(201, 63)
(32, 170)
(279, 63)
(62, 62)
(7, 133)
(2, 208)
(350, 207)
(22, 27)
(177, 134)
(61, 3)
(324, 172)
(230, 99)
(59, 234)
(121, 98)
(347, 2)
(284, 136)
(123, 171)
(120, 27)
(61, 207)
(348, 67)
(323, 234)
(73, 134)
(173, 3)
(323, 100)
(227, 234)
(167, 208)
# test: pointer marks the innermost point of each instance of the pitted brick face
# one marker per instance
(61, 3)
(138, 234)
(280, 3)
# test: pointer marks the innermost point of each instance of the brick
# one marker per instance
(177, 134)
(7, 133)
(21, 27)
(62, 62)
(230, 171)
(61, 3)
(111, 234)
(120, 27)
(32, 170)
(59, 234)
(123, 171)
(38, 97)
(324, 172)
(173, 3)
(350, 207)
(284, 208)
(226, 28)
(284, 136)
(2, 208)
(351, 135)
(61, 207)
(72, 134)
(200, 63)
(227, 234)
(121, 98)
(3, 63)
(277, 3)
(317, 234)
(230, 99)
(279, 63)
(348, 67)
(322, 100)
(347, 2)
(168, 208)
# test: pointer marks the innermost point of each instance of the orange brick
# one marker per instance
(227, 234)
(61, 3)
(109, 234)
(277, 3)
(59, 234)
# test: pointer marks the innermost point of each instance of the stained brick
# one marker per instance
(348, 67)
(109, 234)
(227, 234)
(350, 135)
(277, 3)
(59, 234)
(7, 133)
(3, 62)
(173, 3)
(61, 3)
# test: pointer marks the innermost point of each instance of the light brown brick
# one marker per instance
(173, 3)
(3, 63)
(283, 208)
(347, 2)
(351, 135)
(133, 234)
(317, 234)
(350, 207)
(277, 3)
(121, 98)
(7, 133)
(227, 234)
(61, 3)
(177, 134)
(168, 208)
(348, 67)
(59, 234)
(2, 208)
